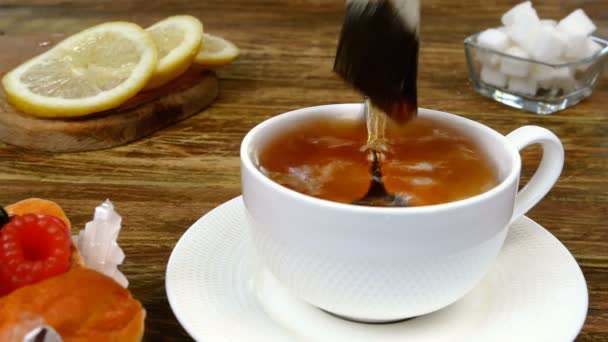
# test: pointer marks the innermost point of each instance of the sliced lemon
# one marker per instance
(91, 71)
(216, 51)
(178, 40)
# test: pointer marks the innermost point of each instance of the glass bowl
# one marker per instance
(546, 88)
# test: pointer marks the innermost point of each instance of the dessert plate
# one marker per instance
(220, 292)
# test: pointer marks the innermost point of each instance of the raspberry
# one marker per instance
(33, 247)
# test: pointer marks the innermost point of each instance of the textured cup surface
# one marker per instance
(382, 264)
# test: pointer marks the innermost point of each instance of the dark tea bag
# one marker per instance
(378, 53)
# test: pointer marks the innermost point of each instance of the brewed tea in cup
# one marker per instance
(424, 162)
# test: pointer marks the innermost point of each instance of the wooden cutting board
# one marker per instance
(142, 115)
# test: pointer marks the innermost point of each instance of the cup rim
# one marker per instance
(249, 165)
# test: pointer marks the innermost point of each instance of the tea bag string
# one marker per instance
(376, 126)
(377, 195)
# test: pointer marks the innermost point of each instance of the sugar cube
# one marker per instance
(523, 31)
(547, 46)
(509, 17)
(566, 84)
(487, 58)
(546, 84)
(541, 73)
(523, 86)
(575, 44)
(515, 67)
(577, 21)
(548, 76)
(548, 22)
(544, 75)
(563, 78)
(563, 73)
(581, 47)
(593, 47)
(493, 76)
(493, 39)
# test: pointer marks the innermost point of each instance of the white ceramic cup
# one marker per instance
(383, 264)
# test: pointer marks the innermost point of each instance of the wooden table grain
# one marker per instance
(164, 183)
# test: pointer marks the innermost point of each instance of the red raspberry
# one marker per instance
(33, 247)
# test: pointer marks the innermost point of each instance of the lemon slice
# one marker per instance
(91, 71)
(178, 40)
(216, 51)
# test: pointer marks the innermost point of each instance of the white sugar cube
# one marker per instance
(564, 78)
(541, 72)
(548, 46)
(580, 47)
(514, 67)
(487, 58)
(546, 84)
(577, 21)
(509, 17)
(524, 30)
(524, 86)
(548, 22)
(556, 73)
(493, 76)
(593, 47)
(563, 73)
(525, 15)
(567, 84)
(548, 76)
(575, 44)
(493, 39)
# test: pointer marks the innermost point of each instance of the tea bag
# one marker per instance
(378, 53)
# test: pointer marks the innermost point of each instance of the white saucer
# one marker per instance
(219, 292)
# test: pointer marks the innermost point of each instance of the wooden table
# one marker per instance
(162, 184)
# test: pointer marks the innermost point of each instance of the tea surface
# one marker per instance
(424, 161)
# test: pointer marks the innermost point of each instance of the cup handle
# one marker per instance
(548, 171)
